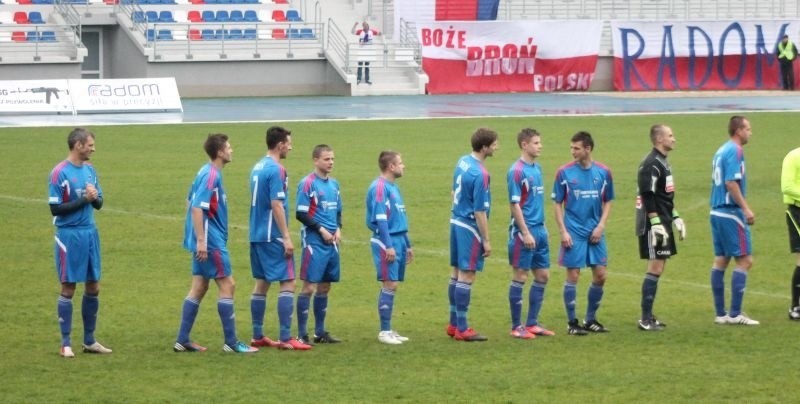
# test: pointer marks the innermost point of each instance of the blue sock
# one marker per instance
(64, 310)
(385, 306)
(303, 302)
(320, 310)
(462, 295)
(515, 302)
(89, 307)
(227, 316)
(285, 308)
(535, 299)
(570, 294)
(258, 306)
(451, 296)
(188, 314)
(649, 289)
(738, 284)
(593, 301)
(718, 290)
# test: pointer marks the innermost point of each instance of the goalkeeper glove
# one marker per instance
(679, 224)
(660, 235)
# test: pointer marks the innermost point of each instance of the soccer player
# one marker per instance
(655, 215)
(271, 248)
(582, 192)
(319, 209)
(391, 248)
(206, 237)
(790, 187)
(74, 193)
(528, 248)
(731, 219)
(469, 230)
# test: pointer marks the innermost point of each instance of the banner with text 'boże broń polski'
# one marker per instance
(509, 56)
(698, 55)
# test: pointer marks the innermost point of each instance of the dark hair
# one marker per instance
(483, 137)
(214, 143)
(736, 122)
(318, 149)
(78, 135)
(386, 157)
(276, 135)
(656, 130)
(583, 137)
(526, 134)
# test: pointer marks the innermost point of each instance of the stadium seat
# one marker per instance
(194, 16)
(279, 33)
(33, 36)
(49, 36)
(35, 17)
(18, 36)
(24, 1)
(307, 33)
(251, 2)
(151, 35)
(194, 35)
(249, 33)
(42, 2)
(223, 16)
(208, 16)
(165, 16)
(293, 33)
(220, 34)
(167, 2)
(138, 16)
(197, 1)
(293, 15)
(251, 16)
(237, 16)
(278, 15)
(207, 35)
(164, 35)
(211, 1)
(235, 34)
(21, 17)
(280, 1)
(111, 2)
(151, 16)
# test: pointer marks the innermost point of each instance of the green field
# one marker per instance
(146, 170)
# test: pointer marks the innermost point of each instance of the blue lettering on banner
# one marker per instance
(693, 57)
(667, 60)
(628, 68)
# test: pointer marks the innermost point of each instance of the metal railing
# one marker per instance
(37, 42)
(71, 17)
(347, 53)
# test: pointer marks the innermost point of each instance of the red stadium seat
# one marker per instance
(197, 1)
(279, 34)
(194, 35)
(278, 15)
(18, 36)
(194, 16)
(24, 1)
(280, 1)
(21, 17)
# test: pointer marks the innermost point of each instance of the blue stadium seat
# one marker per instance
(250, 33)
(164, 35)
(251, 2)
(221, 34)
(138, 16)
(222, 16)
(48, 36)
(211, 1)
(208, 35)
(35, 17)
(306, 33)
(293, 15)
(251, 16)
(32, 36)
(152, 16)
(165, 16)
(151, 35)
(235, 34)
(208, 16)
(168, 2)
(237, 16)
(293, 33)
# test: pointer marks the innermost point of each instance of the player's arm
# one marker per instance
(68, 207)
(199, 233)
(735, 191)
(790, 183)
(647, 181)
(597, 233)
(279, 214)
(566, 238)
(483, 228)
(409, 250)
(519, 222)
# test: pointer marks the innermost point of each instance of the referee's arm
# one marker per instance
(790, 178)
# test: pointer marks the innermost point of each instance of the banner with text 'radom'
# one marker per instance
(698, 55)
(509, 56)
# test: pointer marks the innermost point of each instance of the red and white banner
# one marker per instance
(509, 56)
(698, 55)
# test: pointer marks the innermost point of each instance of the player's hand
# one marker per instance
(680, 226)
(749, 216)
(202, 252)
(566, 240)
(528, 241)
(409, 256)
(597, 235)
(288, 247)
(391, 255)
(487, 248)
(91, 192)
(327, 237)
(660, 235)
(337, 236)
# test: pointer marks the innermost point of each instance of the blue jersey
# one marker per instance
(320, 198)
(526, 188)
(728, 165)
(208, 194)
(68, 183)
(268, 182)
(582, 191)
(384, 203)
(470, 189)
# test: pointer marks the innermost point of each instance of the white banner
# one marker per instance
(35, 96)
(126, 95)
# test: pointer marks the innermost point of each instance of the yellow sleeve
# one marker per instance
(790, 177)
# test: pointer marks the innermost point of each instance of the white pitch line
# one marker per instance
(429, 252)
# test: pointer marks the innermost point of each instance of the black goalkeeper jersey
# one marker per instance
(655, 190)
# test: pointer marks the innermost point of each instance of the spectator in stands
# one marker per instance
(787, 52)
(365, 36)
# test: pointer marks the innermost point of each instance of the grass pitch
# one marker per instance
(146, 170)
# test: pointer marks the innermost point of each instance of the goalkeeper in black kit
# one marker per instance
(655, 216)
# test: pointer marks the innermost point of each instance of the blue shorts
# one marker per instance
(520, 257)
(268, 262)
(466, 248)
(218, 265)
(389, 271)
(584, 254)
(320, 261)
(77, 252)
(730, 233)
